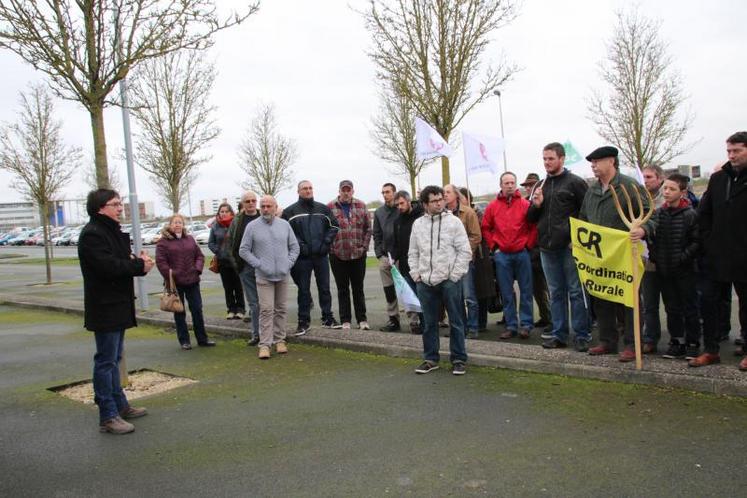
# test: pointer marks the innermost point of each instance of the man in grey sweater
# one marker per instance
(270, 247)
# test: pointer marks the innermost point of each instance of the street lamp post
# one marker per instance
(503, 136)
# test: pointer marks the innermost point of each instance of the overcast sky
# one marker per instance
(309, 60)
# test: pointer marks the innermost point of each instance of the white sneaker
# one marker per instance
(230, 316)
(345, 325)
(364, 326)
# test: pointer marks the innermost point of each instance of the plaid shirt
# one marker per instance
(354, 235)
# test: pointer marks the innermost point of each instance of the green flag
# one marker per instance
(571, 154)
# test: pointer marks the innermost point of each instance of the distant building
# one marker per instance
(145, 209)
(18, 214)
(689, 170)
(208, 207)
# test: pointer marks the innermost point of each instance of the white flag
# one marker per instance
(481, 153)
(428, 143)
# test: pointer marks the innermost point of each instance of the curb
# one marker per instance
(713, 385)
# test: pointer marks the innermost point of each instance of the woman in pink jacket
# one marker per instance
(178, 252)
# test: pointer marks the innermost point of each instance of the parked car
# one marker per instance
(201, 236)
(150, 236)
(4, 238)
(21, 238)
(197, 226)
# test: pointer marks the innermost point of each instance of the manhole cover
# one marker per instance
(142, 383)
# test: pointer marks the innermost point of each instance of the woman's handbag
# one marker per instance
(214, 267)
(170, 298)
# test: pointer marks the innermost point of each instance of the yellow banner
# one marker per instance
(604, 259)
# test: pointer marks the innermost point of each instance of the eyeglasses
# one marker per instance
(114, 204)
(246, 201)
(267, 205)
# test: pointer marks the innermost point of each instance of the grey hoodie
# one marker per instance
(270, 248)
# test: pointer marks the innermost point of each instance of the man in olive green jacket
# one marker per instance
(599, 208)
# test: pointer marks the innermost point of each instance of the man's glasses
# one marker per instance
(266, 205)
(114, 204)
(247, 201)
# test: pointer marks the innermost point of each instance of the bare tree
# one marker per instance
(170, 101)
(32, 150)
(89, 177)
(641, 112)
(88, 46)
(393, 134)
(432, 51)
(267, 156)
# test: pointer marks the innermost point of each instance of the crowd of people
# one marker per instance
(461, 263)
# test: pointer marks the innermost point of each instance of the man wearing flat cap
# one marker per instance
(599, 208)
(347, 256)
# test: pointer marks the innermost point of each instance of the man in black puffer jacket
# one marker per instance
(674, 247)
(723, 228)
(316, 228)
(408, 212)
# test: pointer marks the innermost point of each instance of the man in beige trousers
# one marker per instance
(270, 247)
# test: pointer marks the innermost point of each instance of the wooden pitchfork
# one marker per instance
(632, 222)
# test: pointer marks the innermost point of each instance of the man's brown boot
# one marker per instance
(132, 412)
(116, 425)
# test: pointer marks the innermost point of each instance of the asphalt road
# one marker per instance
(332, 423)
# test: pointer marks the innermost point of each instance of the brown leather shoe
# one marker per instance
(116, 425)
(743, 364)
(627, 355)
(705, 359)
(601, 349)
(281, 347)
(131, 412)
(263, 353)
(507, 335)
(524, 334)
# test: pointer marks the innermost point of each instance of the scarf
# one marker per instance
(225, 223)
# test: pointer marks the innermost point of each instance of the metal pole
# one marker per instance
(137, 242)
(189, 202)
(503, 136)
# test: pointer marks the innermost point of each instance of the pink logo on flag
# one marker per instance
(435, 145)
(483, 151)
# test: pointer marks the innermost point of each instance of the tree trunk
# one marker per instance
(99, 146)
(412, 186)
(446, 179)
(45, 231)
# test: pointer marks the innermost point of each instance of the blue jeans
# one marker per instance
(301, 274)
(651, 294)
(107, 390)
(249, 283)
(470, 299)
(564, 285)
(192, 295)
(509, 267)
(431, 297)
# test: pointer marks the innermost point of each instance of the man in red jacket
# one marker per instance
(510, 236)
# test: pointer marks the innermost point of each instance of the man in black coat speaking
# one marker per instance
(108, 265)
